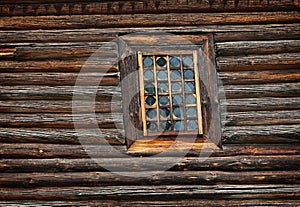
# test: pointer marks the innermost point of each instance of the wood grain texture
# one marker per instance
(67, 7)
(144, 20)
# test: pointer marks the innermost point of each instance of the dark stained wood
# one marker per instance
(67, 7)
(163, 178)
(7, 52)
(144, 20)
(259, 62)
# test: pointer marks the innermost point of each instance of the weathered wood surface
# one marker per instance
(144, 20)
(46, 151)
(163, 178)
(234, 201)
(223, 33)
(67, 7)
(236, 163)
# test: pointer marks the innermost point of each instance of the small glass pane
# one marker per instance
(151, 113)
(191, 112)
(164, 112)
(163, 100)
(162, 87)
(177, 99)
(189, 74)
(178, 112)
(190, 99)
(189, 86)
(187, 61)
(151, 126)
(162, 75)
(150, 100)
(147, 61)
(174, 62)
(179, 126)
(176, 87)
(161, 61)
(192, 125)
(165, 126)
(148, 75)
(150, 88)
(175, 75)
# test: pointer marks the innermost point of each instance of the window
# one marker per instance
(171, 90)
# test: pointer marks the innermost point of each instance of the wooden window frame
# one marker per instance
(129, 46)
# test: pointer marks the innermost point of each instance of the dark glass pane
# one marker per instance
(174, 62)
(192, 125)
(179, 126)
(147, 61)
(151, 113)
(149, 88)
(175, 75)
(190, 99)
(164, 112)
(189, 74)
(176, 87)
(151, 126)
(178, 112)
(162, 87)
(163, 100)
(162, 75)
(150, 100)
(189, 86)
(148, 74)
(161, 61)
(191, 112)
(177, 99)
(165, 125)
(188, 61)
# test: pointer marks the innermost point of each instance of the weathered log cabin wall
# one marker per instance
(43, 46)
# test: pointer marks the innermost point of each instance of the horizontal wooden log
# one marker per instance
(36, 150)
(261, 104)
(262, 118)
(53, 106)
(49, 120)
(235, 163)
(259, 77)
(261, 134)
(144, 20)
(20, 180)
(222, 33)
(262, 90)
(104, 93)
(74, 65)
(7, 52)
(91, 7)
(61, 136)
(257, 47)
(234, 201)
(60, 79)
(30, 51)
(259, 62)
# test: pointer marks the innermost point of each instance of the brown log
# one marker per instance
(223, 33)
(54, 106)
(235, 163)
(92, 7)
(61, 136)
(259, 77)
(20, 180)
(49, 120)
(262, 90)
(257, 47)
(260, 104)
(144, 20)
(7, 52)
(259, 62)
(59, 79)
(262, 118)
(261, 134)
(275, 200)
(104, 93)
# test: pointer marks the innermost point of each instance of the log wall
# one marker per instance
(43, 46)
